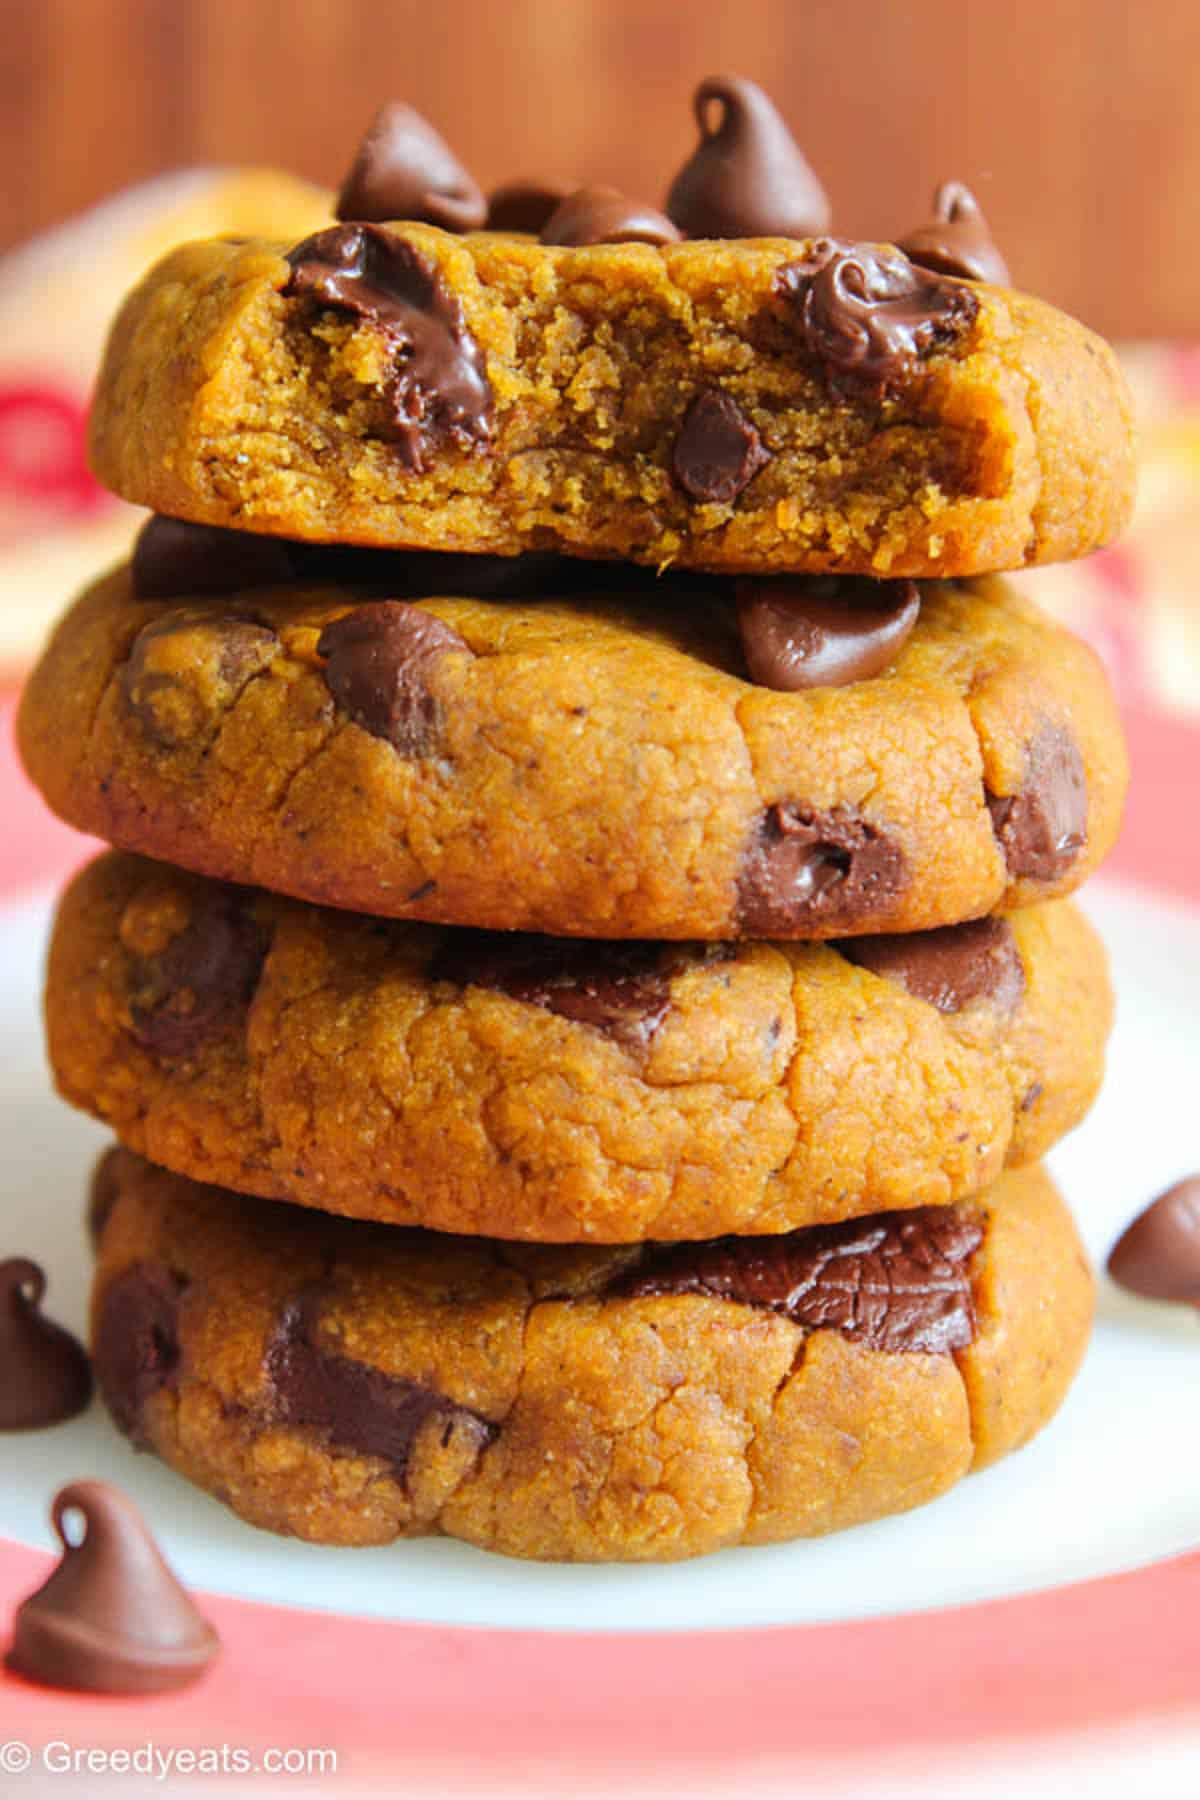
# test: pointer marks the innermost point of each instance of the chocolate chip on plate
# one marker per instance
(45, 1375)
(112, 1618)
(1158, 1255)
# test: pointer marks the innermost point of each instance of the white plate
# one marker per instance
(1112, 1484)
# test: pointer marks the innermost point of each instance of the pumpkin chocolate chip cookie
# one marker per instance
(763, 403)
(600, 764)
(562, 1090)
(352, 1384)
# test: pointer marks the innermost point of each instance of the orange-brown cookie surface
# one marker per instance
(566, 1091)
(599, 766)
(352, 1384)
(756, 404)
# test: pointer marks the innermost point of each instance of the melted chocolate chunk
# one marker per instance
(111, 1618)
(522, 206)
(136, 1342)
(356, 1407)
(746, 177)
(45, 1375)
(439, 391)
(864, 312)
(957, 240)
(717, 452)
(172, 696)
(896, 1281)
(377, 663)
(172, 559)
(1043, 826)
(104, 1193)
(800, 632)
(950, 967)
(1158, 1255)
(602, 215)
(404, 170)
(199, 986)
(620, 989)
(804, 867)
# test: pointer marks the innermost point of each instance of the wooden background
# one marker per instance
(1077, 121)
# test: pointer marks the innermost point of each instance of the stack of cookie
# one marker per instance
(610, 823)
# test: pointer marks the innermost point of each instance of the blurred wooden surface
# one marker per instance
(1076, 121)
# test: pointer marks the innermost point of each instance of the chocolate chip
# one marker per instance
(602, 215)
(378, 660)
(747, 177)
(866, 313)
(717, 451)
(112, 1617)
(135, 1349)
(950, 967)
(45, 1376)
(172, 559)
(620, 989)
(802, 632)
(438, 392)
(957, 240)
(189, 664)
(199, 986)
(1043, 826)
(404, 170)
(104, 1193)
(897, 1281)
(804, 867)
(521, 206)
(356, 1407)
(1158, 1256)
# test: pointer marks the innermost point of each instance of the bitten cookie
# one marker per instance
(351, 1384)
(600, 766)
(757, 404)
(565, 1090)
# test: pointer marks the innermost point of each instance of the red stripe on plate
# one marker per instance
(1102, 1652)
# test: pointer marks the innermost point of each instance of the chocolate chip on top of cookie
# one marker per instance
(603, 215)
(956, 241)
(747, 176)
(404, 170)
